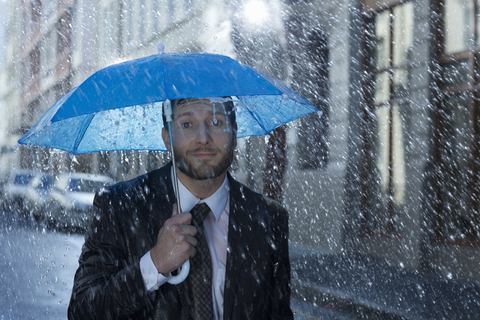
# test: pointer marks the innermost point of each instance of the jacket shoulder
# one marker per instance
(132, 190)
(241, 192)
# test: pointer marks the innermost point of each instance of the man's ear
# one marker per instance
(166, 138)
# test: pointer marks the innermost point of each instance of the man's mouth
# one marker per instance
(203, 154)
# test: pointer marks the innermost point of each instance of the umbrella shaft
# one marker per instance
(175, 179)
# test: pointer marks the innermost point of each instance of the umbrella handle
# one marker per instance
(185, 269)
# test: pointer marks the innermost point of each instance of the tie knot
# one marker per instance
(199, 213)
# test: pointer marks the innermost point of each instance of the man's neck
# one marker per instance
(201, 189)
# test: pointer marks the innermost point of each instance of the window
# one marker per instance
(36, 15)
(49, 56)
(34, 68)
(64, 27)
(387, 48)
(310, 56)
(312, 143)
(456, 122)
(62, 54)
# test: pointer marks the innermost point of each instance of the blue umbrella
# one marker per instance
(120, 106)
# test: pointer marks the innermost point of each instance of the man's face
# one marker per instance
(203, 139)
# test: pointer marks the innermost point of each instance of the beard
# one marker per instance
(200, 170)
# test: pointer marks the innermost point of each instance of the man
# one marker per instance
(138, 239)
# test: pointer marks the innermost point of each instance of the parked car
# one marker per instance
(71, 199)
(15, 190)
(37, 195)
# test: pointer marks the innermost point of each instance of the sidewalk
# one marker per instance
(341, 287)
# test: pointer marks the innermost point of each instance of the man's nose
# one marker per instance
(203, 134)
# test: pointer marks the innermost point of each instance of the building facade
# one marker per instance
(10, 91)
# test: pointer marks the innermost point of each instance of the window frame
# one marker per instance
(370, 10)
(440, 94)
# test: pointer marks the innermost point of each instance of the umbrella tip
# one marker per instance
(161, 48)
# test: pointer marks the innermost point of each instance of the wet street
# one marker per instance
(37, 267)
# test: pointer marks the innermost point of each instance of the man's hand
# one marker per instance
(175, 242)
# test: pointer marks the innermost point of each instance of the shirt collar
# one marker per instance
(216, 201)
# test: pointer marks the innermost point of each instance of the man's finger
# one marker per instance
(175, 210)
(181, 218)
(192, 240)
(189, 230)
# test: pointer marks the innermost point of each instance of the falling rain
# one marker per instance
(382, 184)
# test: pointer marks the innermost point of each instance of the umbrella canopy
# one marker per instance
(120, 106)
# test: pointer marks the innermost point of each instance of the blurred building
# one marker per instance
(10, 88)
(398, 198)
(382, 187)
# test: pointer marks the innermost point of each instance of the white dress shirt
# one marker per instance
(216, 234)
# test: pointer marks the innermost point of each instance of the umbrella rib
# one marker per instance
(164, 79)
(265, 131)
(83, 131)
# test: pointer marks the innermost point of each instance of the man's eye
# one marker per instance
(215, 122)
(185, 125)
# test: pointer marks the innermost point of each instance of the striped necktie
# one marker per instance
(201, 271)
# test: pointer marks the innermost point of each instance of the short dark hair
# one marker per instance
(229, 109)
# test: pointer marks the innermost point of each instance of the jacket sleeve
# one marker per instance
(108, 283)
(279, 293)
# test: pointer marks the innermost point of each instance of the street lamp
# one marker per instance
(255, 12)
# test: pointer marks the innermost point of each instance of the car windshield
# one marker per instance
(45, 182)
(22, 179)
(83, 185)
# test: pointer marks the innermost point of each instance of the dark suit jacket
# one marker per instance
(109, 285)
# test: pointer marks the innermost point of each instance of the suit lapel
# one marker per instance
(163, 198)
(159, 189)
